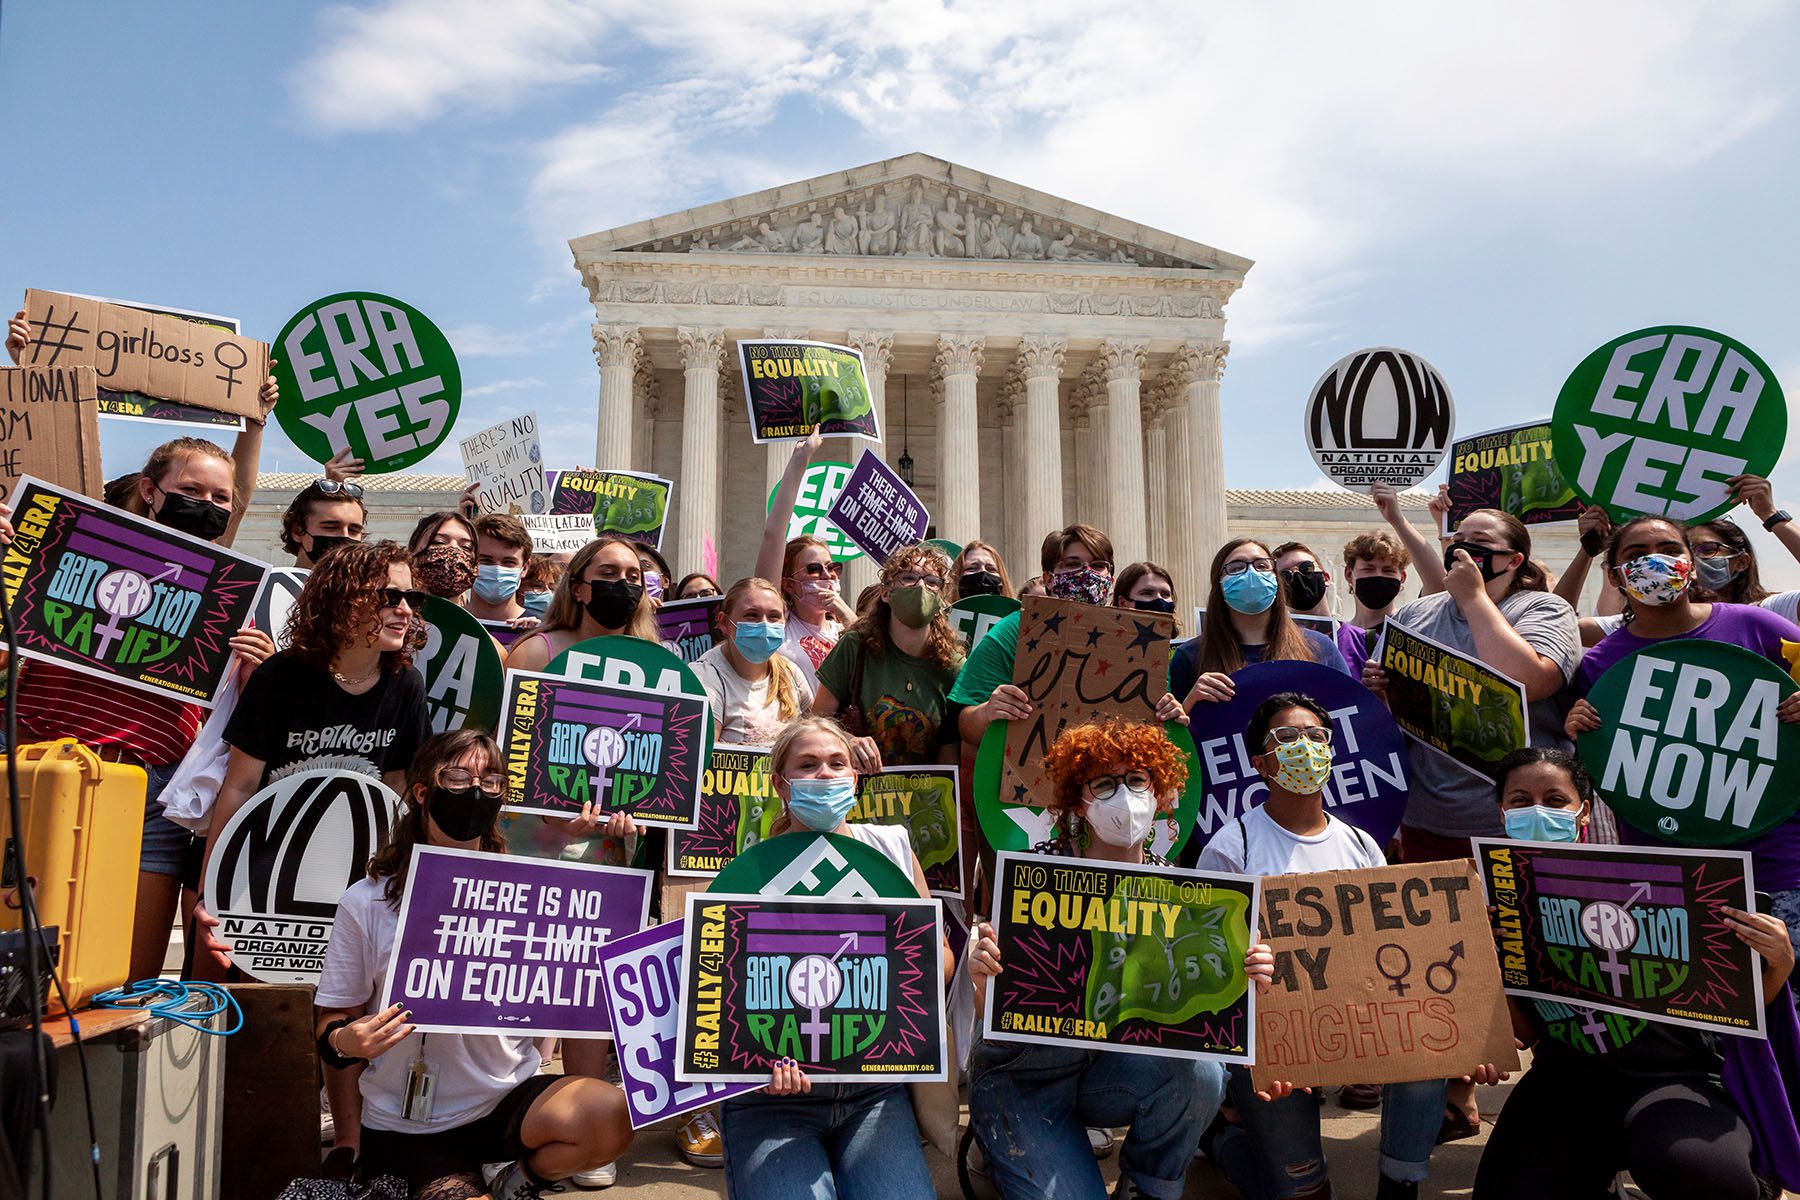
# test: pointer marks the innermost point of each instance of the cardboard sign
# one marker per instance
(369, 374)
(819, 489)
(738, 807)
(49, 428)
(974, 617)
(1513, 470)
(1451, 702)
(1368, 781)
(508, 463)
(571, 742)
(1080, 663)
(1104, 956)
(1625, 930)
(627, 504)
(1384, 975)
(136, 406)
(1689, 748)
(687, 628)
(849, 989)
(140, 350)
(285, 859)
(488, 943)
(813, 864)
(461, 667)
(558, 533)
(1657, 420)
(793, 387)
(642, 974)
(924, 801)
(876, 509)
(101, 591)
(1380, 415)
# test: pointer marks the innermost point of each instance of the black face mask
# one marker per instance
(464, 814)
(612, 601)
(978, 583)
(1483, 555)
(1304, 589)
(1375, 591)
(197, 518)
(325, 543)
(1156, 606)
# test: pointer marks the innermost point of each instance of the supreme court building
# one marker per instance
(1037, 361)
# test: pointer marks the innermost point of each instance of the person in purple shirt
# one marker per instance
(1654, 566)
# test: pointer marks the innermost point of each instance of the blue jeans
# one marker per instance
(854, 1141)
(1030, 1106)
(1277, 1154)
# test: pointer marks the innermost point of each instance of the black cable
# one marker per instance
(87, 1087)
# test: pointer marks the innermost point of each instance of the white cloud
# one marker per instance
(502, 385)
(479, 340)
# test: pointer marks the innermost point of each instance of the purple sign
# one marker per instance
(643, 997)
(876, 510)
(504, 632)
(488, 943)
(686, 627)
(1368, 754)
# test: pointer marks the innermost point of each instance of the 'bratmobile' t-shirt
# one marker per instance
(294, 717)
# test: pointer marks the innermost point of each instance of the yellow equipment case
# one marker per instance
(84, 831)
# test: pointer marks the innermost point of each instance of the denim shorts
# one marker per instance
(169, 849)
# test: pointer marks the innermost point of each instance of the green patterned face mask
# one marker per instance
(915, 606)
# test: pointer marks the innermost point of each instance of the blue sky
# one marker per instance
(1501, 190)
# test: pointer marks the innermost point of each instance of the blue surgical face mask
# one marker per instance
(536, 603)
(1540, 823)
(496, 585)
(821, 804)
(757, 640)
(1250, 591)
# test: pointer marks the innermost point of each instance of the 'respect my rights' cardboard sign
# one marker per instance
(490, 943)
(792, 387)
(1380, 415)
(103, 592)
(1106, 956)
(570, 742)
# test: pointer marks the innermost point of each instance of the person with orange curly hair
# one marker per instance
(1028, 1105)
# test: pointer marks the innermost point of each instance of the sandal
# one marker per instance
(1457, 1125)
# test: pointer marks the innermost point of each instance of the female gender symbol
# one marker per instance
(1396, 978)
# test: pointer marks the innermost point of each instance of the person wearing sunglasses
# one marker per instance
(809, 578)
(325, 514)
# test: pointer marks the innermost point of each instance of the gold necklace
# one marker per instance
(352, 681)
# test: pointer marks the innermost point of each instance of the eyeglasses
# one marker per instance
(391, 597)
(914, 579)
(821, 570)
(1713, 550)
(1247, 564)
(340, 487)
(1289, 734)
(491, 784)
(1103, 786)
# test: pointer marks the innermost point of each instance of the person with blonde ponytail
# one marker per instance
(754, 689)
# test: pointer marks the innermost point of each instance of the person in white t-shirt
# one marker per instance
(489, 1103)
(752, 687)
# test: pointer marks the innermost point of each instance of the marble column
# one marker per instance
(877, 350)
(1123, 363)
(1018, 469)
(644, 403)
(616, 351)
(1206, 445)
(697, 491)
(959, 487)
(1156, 480)
(1186, 558)
(1040, 362)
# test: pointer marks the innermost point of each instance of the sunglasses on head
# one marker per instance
(340, 487)
(391, 597)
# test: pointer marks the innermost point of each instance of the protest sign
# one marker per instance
(1689, 748)
(1451, 702)
(136, 406)
(504, 633)
(642, 986)
(792, 387)
(369, 374)
(558, 533)
(973, 617)
(738, 807)
(508, 462)
(1080, 663)
(876, 510)
(569, 742)
(461, 667)
(1324, 626)
(1105, 956)
(282, 862)
(1627, 930)
(1380, 415)
(804, 863)
(1657, 420)
(819, 489)
(277, 599)
(627, 504)
(627, 662)
(687, 627)
(923, 800)
(1368, 780)
(1513, 470)
(49, 428)
(849, 989)
(1383, 975)
(135, 349)
(106, 593)
(489, 943)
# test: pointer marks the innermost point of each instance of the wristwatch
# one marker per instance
(1777, 517)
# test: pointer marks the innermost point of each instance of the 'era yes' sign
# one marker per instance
(368, 374)
(1657, 420)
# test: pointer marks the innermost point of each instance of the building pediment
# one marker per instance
(913, 206)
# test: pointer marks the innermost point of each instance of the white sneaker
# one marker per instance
(514, 1184)
(599, 1177)
(1101, 1141)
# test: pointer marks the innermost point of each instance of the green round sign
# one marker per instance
(819, 489)
(1656, 421)
(1689, 748)
(1009, 826)
(369, 374)
(974, 617)
(951, 550)
(462, 670)
(632, 662)
(812, 864)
